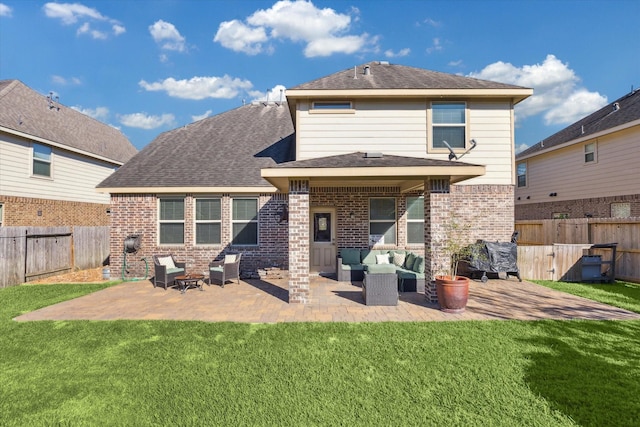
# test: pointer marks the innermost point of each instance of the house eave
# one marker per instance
(183, 190)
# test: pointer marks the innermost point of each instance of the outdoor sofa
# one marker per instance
(351, 263)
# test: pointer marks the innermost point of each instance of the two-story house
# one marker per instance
(354, 159)
(51, 159)
(588, 169)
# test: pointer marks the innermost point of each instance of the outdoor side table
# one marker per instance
(189, 281)
(380, 288)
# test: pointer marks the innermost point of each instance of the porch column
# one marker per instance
(436, 214)
(298, 241)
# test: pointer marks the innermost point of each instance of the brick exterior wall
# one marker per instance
(489, 209)
(25, 211)
(598, 207)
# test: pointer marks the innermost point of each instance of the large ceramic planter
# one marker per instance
(452, 294)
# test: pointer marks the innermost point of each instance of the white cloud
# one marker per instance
(99, 113)
(520, 148)
(145, 121)
(457, 63)
(167, 35)
(5, 10)
(239, 37)
(437, 46)
(66, 81)
(200, 87)
(201, 116)
(555, 90)
(72, 13)
(402, 52)
(323, 30)
(432, 23)
(276, 94)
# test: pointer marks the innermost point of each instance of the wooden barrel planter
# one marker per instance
(452, 294)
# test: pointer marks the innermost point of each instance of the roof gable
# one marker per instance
(27, 112)
(619, 112)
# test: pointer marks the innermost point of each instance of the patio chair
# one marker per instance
(226, 269)
(166, 270)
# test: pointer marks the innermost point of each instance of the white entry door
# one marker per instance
(323, 240)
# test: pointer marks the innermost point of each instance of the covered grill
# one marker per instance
(493, 258)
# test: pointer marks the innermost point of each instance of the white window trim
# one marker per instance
(595, 153)
(183, 222)
(33, 160)
(205, 221)
(257, 220)
(414, 221)
(395, 220)
(430, 125)
(327, 110)
(526, 173)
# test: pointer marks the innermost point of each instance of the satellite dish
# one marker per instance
(453, 155)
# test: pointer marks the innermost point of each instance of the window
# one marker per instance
(522, 174)
(415, 220)
(449, 124)
(382, 221)
(171, 217)
(41, 160)
(590, 152)
(621, 210)
(244, 222)
(208, 221)
(332, 105)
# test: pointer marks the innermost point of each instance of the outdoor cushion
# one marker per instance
(174, 270)
(381, 268)
(368, 256)
(229, 259)
(353, 267)
(167, 261)
(404, 274)
(418, 264)
(350, 256)
(382, 259)
(398, 259)
(218, 269)
(409, 260)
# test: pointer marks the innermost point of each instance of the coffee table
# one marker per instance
(189, 281)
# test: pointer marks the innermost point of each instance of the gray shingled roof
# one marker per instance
(24, 110)
(391, 76)
(360, 160)
(608, 117)
(225, 150)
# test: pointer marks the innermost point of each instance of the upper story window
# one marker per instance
(415, 220)
(522, 174)
(590, 152)
(244, 221)
(382, 220)
(208, 221)
(448, 124)
(41, 160)
(332, 107)
(171, 220)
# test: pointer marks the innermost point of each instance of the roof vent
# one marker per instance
(367, 70)
(373, 155)
(616, 106)
(383, 62)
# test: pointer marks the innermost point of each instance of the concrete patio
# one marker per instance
(258, 301)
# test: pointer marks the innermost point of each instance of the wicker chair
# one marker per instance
(166, 270)
(224, 270)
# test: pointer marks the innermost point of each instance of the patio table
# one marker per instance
(189, 281)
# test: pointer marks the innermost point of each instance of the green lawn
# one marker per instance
(498, 373)
(620, 294)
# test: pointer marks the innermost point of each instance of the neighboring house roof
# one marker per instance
(25, 112)
(382, 75)
(620, 112)
(363, 160)
(227, 150)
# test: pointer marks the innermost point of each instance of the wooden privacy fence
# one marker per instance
(569, 239)
(31, 253)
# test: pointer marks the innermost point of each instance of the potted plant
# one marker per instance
(453, 290)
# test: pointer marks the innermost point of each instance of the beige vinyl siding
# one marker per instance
(73, 177)
(565, 172)
(397, 128)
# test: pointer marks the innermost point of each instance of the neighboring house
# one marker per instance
(354, 159)
(51, 159)
(588, 169)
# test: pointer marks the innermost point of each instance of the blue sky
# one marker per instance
(149, 66)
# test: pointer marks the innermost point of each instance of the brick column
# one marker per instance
(436, 213)
(298, 241)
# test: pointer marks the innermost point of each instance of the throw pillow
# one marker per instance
(382, 259)
(409, 260)
(398, 259)
(229, 259)
(167, 261)
(418, 265)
